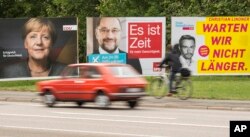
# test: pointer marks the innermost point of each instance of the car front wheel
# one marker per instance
(132, 103)
(49, 99)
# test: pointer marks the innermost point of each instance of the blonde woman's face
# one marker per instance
(38, 44)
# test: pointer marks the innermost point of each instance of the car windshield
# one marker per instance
(123, 71)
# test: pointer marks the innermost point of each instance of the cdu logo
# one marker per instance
(239, 128)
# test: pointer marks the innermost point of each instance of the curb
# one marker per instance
(199, 107)
(18, 99)
(167, 102)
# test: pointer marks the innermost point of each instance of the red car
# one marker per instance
(95, 82)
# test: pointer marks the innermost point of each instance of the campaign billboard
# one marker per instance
(37, 47)
(213, 45)
(138, 41)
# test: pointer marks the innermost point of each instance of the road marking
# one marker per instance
(80, 131)
(22, 104)
(112, 120)
(91, 114)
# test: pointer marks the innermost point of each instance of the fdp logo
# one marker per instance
(69, 27)
(239, 128)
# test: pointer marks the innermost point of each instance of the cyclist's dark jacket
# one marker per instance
(173, 61)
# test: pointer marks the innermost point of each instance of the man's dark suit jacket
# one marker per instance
(21, 69)
(135, 62)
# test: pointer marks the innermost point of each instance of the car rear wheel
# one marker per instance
(102, 100)
(132, 103)
(49, 99)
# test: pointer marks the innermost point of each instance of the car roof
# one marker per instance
(97, 64)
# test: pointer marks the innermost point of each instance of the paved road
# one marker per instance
(23, 119)
(167, 102)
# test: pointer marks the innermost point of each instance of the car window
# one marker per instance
(89, 72)
(70, 72)
(94, 73)
(123, 71)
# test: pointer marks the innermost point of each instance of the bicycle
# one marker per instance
(159, 86)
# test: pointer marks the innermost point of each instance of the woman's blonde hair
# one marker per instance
(36, 24)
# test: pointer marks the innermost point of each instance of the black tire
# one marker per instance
(132, 103)
(79, 103)
(102, 100)
(158, 88)
(49, 99)
(185, 89)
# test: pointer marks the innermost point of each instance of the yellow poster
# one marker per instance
(226, 45)
(222, 45)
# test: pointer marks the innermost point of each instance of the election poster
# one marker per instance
(213, 45)
(33, 48)
(137, 41)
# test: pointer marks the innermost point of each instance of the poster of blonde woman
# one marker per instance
(37, 47)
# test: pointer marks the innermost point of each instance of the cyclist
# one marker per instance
(172, 60)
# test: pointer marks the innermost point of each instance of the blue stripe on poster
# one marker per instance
(107, 58)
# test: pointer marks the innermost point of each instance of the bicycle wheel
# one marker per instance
(184, 89)
(158, 88)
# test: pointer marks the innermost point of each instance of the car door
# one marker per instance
(89, 80)
(67, 87)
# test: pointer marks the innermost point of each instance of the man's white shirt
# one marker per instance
(101, 51)
(190, 64)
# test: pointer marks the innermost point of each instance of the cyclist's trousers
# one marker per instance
(171, 80)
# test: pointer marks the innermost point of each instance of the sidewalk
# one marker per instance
(167, 102)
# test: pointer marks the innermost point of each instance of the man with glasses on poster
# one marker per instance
(108, 34)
